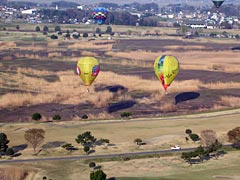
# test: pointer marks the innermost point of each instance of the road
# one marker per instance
(105, 156)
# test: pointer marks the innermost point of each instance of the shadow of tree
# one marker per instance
(19, 147)
(53, 144)
(186, 96)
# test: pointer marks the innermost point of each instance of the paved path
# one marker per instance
(104, 156)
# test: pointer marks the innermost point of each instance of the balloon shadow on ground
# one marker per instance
(121, 105)
(186, 96)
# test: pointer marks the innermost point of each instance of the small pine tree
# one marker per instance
(98, 31)
(109, 30)
(188, 131)
(37, 29)
(98, 175)
(85, 34)
(45, 29)
(92, 164)
(53, 36)
(57, 28)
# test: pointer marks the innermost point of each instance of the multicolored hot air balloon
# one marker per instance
(166, 69)
(217, 3)
(99, 15)
(88, 69)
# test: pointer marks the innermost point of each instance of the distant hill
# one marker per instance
(160, 2)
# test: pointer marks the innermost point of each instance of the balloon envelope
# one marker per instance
(166, 69)
(99, 15)
(217, 3)
(88, 69)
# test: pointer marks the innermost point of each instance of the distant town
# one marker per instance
(134, 14)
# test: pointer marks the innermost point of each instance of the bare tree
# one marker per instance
(234, 136)
(35, 137)
(208, 137)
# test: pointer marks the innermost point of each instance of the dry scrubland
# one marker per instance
(70, 90)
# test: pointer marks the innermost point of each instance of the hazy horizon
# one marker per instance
(163, 2)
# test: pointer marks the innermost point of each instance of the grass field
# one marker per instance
(158, 134)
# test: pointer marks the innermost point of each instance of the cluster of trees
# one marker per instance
(97, 173)
(210, 145)
(192, 136)
(88, 141)
(202, 153)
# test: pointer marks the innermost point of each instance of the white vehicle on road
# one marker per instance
(175, 147)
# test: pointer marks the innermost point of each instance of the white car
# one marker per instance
(176, 147)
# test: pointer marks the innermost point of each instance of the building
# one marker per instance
(29, 11)
(195, 24)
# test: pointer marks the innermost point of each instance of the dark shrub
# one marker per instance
(85, 116)
(36, 116)
(57, 117)
(126, 114)
(194, 137)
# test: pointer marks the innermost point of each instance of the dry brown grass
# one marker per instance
(230, 101)
(69, 89)
(7, 45)
(88, 53)
(100, 99)
(135, 55)
(168, 107)
(222, 85)
(54, 54)
(8, 57)
(13, 173)
(185, 47)
(33, 48)
(188, 59)
(53, 43)
(186, 85)
(29, 56)
(99, 44)
(102, 115)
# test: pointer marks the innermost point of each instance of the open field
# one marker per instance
(161, 168)
(33, 67)
(157, 133)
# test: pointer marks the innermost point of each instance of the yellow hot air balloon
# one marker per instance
(166, 69)
(88, 69)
